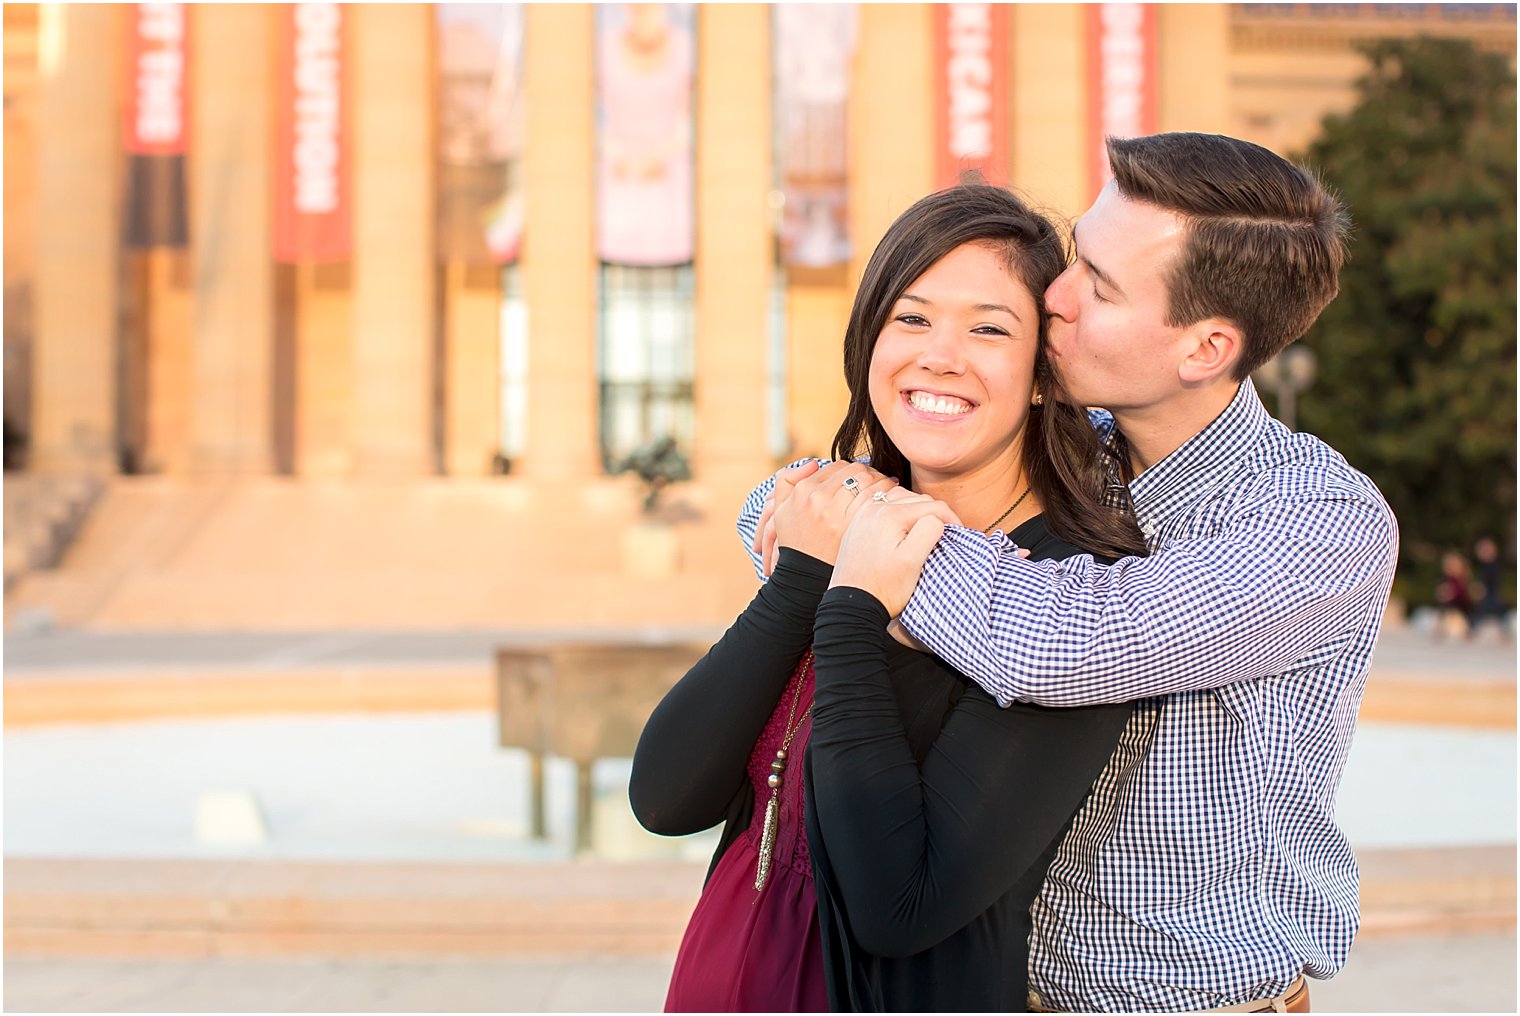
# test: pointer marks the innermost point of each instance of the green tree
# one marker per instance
(1416, 382)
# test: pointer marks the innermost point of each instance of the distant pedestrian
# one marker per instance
(1454, 596)
(1490, 606)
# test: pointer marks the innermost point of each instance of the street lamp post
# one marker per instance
(1288, 373)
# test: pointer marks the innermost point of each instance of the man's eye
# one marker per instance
(1098, 296)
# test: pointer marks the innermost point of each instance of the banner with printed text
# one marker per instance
(312, 206)
(155, 125)
(970, 91)
(646, 62)
(480, 132)
(813, 55)
(1121, 45)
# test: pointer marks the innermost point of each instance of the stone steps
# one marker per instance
(99, 695)
(126, 695)
(43, 512)
(275, 553)
(1442, 890)
(201, 908)
(254, 908)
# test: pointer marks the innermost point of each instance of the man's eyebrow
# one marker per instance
(980, 306)
(1103, 276)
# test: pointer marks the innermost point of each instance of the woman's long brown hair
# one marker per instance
(1067, 466)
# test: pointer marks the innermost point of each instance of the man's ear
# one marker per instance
(1217, 345)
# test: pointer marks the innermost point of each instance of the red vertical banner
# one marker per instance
(1121, 94)
(158, 60)
(312, 203)
(970, 91)
(155, 125)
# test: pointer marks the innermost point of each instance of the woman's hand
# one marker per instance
(812, 512)
(884, 549)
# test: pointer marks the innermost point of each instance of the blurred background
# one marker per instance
(381, 383)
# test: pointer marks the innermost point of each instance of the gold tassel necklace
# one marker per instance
(778, 768)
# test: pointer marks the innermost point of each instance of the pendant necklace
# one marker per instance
(778, 769)
(1016, 503)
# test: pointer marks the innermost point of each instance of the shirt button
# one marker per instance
(1148, 530)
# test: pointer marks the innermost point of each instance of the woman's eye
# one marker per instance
(1098, 296)
(917, 320)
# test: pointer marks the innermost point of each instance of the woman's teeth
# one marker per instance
(939, 404)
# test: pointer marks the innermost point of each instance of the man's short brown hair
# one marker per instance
(1265, 239)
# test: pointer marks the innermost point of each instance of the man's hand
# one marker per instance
(764, 543)
(884, 549)
(813, 510)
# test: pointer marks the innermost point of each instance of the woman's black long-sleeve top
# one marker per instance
(932, 814)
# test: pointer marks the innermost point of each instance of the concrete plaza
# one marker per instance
(389, 866)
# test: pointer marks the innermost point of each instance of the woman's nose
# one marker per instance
(942, 352)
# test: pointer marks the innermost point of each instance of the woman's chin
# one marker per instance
(937, 466)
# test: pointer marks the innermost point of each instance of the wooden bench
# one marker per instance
(582, 703)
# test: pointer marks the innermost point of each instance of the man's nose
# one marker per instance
(1058, 296)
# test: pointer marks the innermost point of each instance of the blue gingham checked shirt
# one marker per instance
(1206, 869)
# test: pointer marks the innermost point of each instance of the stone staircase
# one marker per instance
(203, 907)
(43, 512)
(165, 553)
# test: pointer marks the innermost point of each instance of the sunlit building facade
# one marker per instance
(497, 252)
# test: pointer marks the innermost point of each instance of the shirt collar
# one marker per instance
(1194, 469)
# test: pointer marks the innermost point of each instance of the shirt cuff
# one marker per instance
(963, 559)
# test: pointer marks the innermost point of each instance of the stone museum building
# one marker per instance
(360, 314)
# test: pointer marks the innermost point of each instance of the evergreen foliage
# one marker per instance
(1416, 380)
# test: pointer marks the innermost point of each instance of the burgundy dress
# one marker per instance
(749, 951)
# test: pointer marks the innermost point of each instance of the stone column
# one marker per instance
(232, 428)
(324, 375)
(78, 238)
(472, 361)
(170, 349)
(817, 398)
(734, 263)
(394, 313)
(1049, 55)
(1193, 43)
(891, 122)
(559, 256)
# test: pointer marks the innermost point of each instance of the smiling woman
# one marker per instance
(893, 869)
(952, 378)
